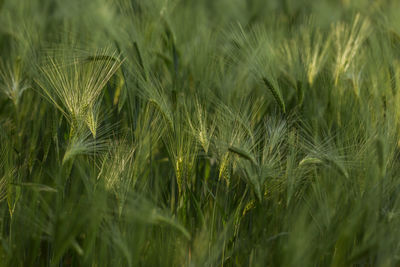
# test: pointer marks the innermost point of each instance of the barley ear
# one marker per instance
(277, 95)
(243, 154)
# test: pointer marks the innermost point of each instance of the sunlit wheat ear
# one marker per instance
(201, 126)
(75, 86)
(314, 52)
(348, 41)
(92, 118)
(12, 82)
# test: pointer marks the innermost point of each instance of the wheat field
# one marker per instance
(199, 133)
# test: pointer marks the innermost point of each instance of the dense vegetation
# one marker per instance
(199, 133)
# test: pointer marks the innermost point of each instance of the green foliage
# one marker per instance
(199, 133)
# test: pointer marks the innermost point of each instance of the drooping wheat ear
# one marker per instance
(249, 206)
(310, 160)
(276, 94)
(242, 153)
